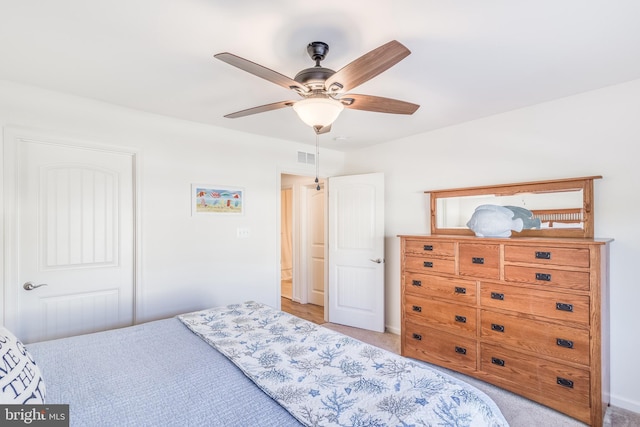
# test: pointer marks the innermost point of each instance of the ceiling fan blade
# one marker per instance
(367, 67)
(260, 71)
(378, 104)
(260, 109)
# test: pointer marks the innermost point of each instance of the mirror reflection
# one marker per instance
(454, 212)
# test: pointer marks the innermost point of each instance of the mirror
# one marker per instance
(562, 208)
(456, 211)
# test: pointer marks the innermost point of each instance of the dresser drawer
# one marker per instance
(547, 277)
(429, 265)
(549, 379)
(441, 287)
(545, 338)
(575, 257)
(479, 260)
(441, 348)
(555, 305)
(430, 248)
(460, 319)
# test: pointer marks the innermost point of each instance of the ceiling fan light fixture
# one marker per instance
(318, 112)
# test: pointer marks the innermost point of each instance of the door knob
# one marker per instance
(29, 286)
(377, 260)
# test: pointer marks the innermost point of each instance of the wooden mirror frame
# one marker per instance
(570, 184)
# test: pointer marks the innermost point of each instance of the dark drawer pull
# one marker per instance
(428, 247)
(477, 260)
(543, 276)
(428, 264)
(497, 328)
(564, 307)
(417, 308)
(417, 337)
(496, 361)
(461, 350)
(460, 290)
(416, 282)
(543, 255)
(564, 382)
(461, 319)
(495, 295)
(564, 343)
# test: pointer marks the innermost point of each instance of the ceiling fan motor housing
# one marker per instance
(315, 77)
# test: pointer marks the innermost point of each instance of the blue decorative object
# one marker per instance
(528, 221)
(494, 221)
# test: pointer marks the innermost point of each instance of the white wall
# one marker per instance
(187, 263)
(595, 133)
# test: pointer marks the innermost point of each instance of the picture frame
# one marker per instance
(213, 199)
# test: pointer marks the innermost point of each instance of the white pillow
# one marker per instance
(20, 379)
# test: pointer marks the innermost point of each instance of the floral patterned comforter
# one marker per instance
(325, 378)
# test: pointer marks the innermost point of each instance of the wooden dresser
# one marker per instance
(530, 315)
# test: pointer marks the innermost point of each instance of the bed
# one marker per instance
(247, 364)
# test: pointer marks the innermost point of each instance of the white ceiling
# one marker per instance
(470, 58)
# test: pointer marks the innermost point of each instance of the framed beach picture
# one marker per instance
(216, 199)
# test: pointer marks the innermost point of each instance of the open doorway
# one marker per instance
(303, 247)
(286, 243)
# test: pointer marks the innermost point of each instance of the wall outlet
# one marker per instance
(242, 232)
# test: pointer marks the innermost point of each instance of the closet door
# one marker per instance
(73, 244)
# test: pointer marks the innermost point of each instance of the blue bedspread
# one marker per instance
(154, 374)
(325, 378)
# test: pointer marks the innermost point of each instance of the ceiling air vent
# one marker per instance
(308, 158)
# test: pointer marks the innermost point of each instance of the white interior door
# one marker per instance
(315, 244)
(74, 270)
(356, 251)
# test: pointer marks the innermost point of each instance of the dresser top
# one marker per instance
(513, 240)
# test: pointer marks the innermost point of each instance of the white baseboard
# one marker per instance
(627, 404)
(392, 330)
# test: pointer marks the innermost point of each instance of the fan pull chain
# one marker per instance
(317, 161)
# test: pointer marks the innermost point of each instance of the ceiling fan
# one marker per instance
(324, 90)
